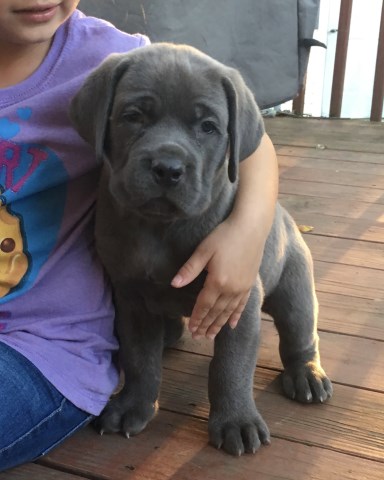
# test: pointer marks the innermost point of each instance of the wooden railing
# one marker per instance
(378, 85)
(340, 58)
(340, 64)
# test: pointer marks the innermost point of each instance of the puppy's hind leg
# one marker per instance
(293, 306)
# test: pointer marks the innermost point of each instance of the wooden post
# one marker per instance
(340, 58)
(298, 101)
(378, 86)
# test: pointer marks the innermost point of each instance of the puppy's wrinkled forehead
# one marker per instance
(178, 78)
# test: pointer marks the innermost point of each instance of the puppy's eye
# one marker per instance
(208, 127)
(134, 116)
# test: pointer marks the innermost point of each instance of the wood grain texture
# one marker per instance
(38, 472)
(175, 447)
(349, 360)
(345, 135)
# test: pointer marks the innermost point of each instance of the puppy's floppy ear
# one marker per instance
(91, 107)
(245, 126)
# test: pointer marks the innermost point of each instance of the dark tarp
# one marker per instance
(262, 38)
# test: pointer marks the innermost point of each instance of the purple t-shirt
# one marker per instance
(55, 303)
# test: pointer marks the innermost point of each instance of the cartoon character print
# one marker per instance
(13, 260)
(32, 193)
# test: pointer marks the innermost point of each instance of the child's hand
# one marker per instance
(231, 255)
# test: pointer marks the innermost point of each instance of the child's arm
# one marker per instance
(232, 253)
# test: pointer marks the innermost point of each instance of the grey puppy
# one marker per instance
(170, 125)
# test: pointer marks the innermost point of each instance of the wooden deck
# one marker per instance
(332, 178)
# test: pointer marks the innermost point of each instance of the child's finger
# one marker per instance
(236, 315)
(217, 316)
(234, 320)
(192, 267)
(203, 309)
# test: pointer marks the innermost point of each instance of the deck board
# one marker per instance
(297, 165)
(350, 360)
(346, 135)
(341, 218)
(38, 472)
(345, 251)
(334, 429)
(175, 447)
(290, 149)
(351, 316)
(331, 178)
(333, 191)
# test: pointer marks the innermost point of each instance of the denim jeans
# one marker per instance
(34, 416)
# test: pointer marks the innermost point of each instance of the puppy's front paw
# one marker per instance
(306, 383)
(123, 415)
(239, 434)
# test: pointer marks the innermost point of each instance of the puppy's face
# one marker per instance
(167, 137)
(170, 125)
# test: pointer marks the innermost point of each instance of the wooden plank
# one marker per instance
(329, 190)
(351, 129)
(312, 170)
(349, 280)
(348, 360)
(339, 226)
(351, 422)
(342, 217)
(351, 315)
(344, 135)
(346, 251)
(378, 84)
(329, 154)
(340, 62)
(348, 208)
(299, 127)
(37, 472)
(335, 177)
(333, 165)
(175, 447)
(299, 100)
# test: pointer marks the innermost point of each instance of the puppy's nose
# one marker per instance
(167, 172)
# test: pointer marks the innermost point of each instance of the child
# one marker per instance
(56, 313)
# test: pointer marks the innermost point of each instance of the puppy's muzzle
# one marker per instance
(166, 162)
(167, 172)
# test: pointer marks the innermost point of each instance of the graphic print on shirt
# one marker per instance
(32, 197)
(13, 260)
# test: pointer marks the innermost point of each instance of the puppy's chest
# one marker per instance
(131, 252)
(153, 259)
(145, 266)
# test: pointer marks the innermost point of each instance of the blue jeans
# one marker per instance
(34, 416)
